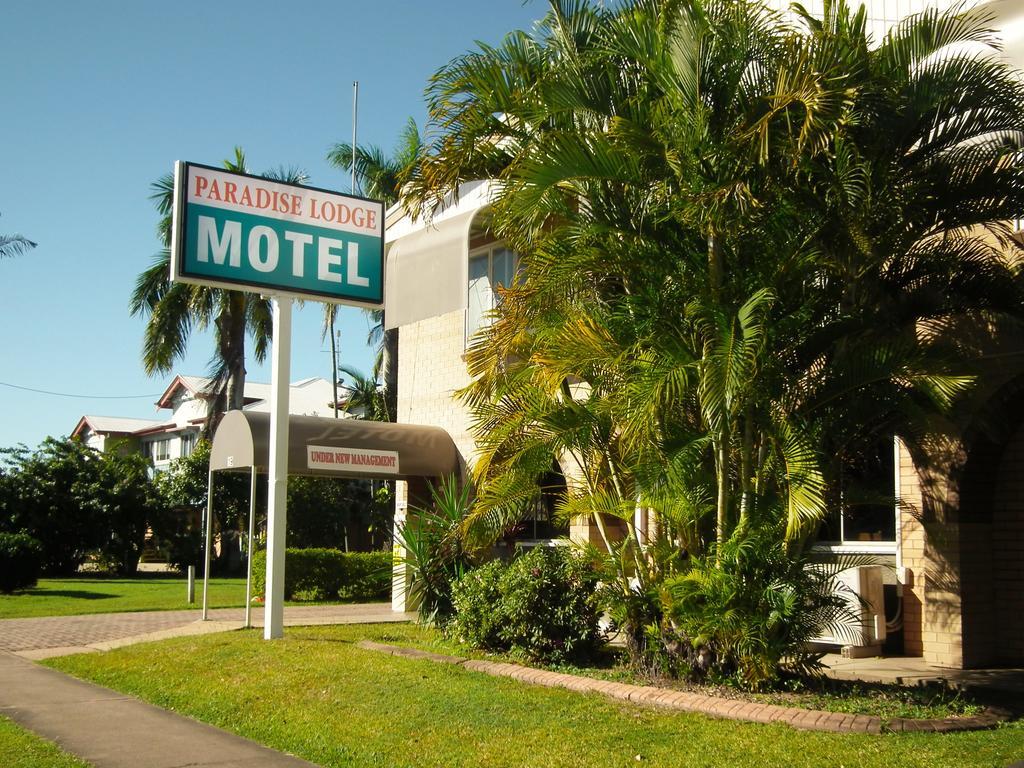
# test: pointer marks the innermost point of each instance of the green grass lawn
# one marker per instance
(102, 594)
(22, 749)
(315, 694)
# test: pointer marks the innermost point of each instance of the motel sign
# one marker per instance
(243, 232)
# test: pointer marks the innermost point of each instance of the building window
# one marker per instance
(188, 443)
(866, 513)
(539, 523)
(159, 450)
(490, 268)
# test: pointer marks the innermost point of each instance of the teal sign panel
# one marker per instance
(243, 232)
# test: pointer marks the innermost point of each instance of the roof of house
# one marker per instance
(115, 425)
(198, 385)
(308, 396)
(194, 385)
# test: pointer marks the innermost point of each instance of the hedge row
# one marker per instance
(20, 561)
(329, 574)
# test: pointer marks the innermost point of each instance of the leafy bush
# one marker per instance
(329, 574)
(541, 605)
(183, 490)
(738, 613)
(78, 503)
(20, 561)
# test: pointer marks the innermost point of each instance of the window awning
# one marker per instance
(426, 272)
(328, 447)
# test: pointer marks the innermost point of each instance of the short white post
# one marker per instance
(248, 567)
(209, 539)
(277, 496)
(190, 585)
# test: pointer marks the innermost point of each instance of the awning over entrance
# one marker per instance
(329, 447)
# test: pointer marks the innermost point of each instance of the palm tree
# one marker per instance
(173, 309)
(380, 177)
(14, 245)
(749, 250)
(364, 393)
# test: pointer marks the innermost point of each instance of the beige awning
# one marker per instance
(425, 272)
(336, 447)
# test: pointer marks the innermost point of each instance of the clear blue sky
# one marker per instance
(100, 98)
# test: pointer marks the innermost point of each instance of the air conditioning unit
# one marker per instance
(861, 587)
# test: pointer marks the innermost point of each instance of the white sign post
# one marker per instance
(240, 232)
(277, 513)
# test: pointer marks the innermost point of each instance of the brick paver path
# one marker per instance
(77, 632)
(731, 709)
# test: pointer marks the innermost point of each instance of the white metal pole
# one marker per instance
(252, 528)
(209, 536)
(277, 515)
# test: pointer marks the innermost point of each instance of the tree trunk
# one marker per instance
(389, 373)
(746, 468)
(332, 309)
(715, 268)
(722, 466)
(233, 354)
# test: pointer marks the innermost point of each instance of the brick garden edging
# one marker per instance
(731, 709)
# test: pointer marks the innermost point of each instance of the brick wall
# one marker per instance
(963, 548)
(912, 541)
(930, 541)
(430, 371)
(1007, 555)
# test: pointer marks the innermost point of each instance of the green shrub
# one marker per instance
(368, 576)
(21, 559)
(329, 574)
(478, 604)
(738, 613)
(541, 605)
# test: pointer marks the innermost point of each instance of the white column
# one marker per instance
(277, 513)
(400, 573)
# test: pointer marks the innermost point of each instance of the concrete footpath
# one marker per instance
(112, 730)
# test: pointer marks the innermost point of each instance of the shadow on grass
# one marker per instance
(296, 634)
(76, 594)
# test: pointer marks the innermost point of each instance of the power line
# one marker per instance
(83, 397)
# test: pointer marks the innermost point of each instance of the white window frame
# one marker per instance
(856, 546)
(155, 446)
(187, 443)
(488, 250)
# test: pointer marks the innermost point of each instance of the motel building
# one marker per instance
(950, 587)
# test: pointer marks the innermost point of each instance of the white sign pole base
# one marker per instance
(277, 513)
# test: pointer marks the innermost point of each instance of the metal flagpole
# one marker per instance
(277, 496)
(252, 528)
(355, 114)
